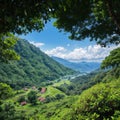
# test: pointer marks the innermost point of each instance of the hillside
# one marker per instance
(97, 101)
(94, 96)
(34, 67)
(80, 66)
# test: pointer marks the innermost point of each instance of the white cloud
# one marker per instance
(58, 52)
(90, 53)
(37, 44)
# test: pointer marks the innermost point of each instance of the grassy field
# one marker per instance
(53, 110)
(50, 111)
(61, 82)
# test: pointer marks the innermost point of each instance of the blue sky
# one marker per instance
(51, 37)
(55, 43)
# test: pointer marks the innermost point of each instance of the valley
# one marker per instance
(33, 68)
(59, 100)
(39, 88)
(59, 59)
(54, 103)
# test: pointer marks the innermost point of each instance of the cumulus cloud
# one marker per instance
(58, 52)
(91, 53)
(37, 44)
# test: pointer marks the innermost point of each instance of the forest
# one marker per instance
(31, 83)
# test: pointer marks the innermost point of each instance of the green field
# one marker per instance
(53, 110)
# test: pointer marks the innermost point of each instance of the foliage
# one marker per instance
(113, 60)
(23, 16)
(59, 96)
(33, 68)
(32, 97)
(79, 84)
(7, 42)
(5, 91)
(20, 17)
(99, 102)
(7, 112)
(21, 99)
(95, 19)
(49, 99)
(99, 20)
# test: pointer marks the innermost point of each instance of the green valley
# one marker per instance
(38, 88)
(99, 100)
(43, 89)
(60, 79)
(34, 67)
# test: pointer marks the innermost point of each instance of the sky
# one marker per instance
(55, 43)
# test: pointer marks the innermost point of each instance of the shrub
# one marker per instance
(99, 102)
(32, 97)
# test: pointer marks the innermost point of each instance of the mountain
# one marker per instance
(80, 66)
(34, 67)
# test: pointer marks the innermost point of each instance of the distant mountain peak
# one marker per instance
(79, 66)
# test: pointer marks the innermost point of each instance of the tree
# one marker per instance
(99, 102)
(95, 19)
(59, 96)
(7, 42)
(21, 99)
(113, 60)
(5, 91)
(21, 16)
(32, 97)
(7, 112)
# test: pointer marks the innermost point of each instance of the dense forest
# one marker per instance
(34, 67)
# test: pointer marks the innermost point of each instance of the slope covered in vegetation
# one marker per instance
(100, 101)
(34, 67)
(95, 96)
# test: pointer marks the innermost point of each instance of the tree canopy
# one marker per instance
(95, 19)
(113, 60)
(32, 97)
(7, 42)
(5, 91)
(21, 16)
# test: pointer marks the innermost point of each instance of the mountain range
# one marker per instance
(34, 67)
(80, 66)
